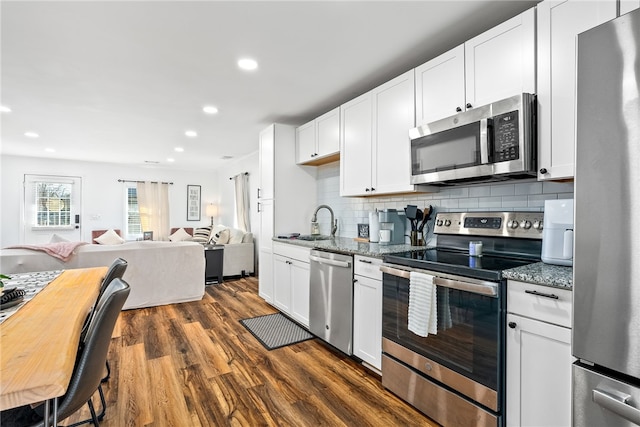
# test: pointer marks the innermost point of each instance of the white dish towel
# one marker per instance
(423, 304)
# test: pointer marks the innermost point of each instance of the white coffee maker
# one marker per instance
(557, 234)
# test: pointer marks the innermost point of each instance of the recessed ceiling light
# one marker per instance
(247, 64)
(171, 160)
(31, 134)
(49, 150)
(210, 109)
(191, 133)
(226, 157)
(178, 149)
(5, 109)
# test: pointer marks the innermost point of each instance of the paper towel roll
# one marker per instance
(374, 227)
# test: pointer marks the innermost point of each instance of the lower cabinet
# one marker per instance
(538, 356)
(291, 281)
(367, 310)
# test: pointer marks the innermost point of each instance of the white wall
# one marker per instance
(102, 194)
(226, 203)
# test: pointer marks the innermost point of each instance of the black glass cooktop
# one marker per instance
(486, 267)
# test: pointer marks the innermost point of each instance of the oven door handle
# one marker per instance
(485, 288)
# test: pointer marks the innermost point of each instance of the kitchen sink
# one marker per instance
(313, 237)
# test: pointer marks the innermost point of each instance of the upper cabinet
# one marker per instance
(318, 141)
(495, 65)
(627, 6)
(374, 140)
(559, 22)
(440, 86)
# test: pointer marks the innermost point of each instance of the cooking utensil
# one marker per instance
(411, 211)
(426, 217)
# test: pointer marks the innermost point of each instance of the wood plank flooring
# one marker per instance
(194, 364)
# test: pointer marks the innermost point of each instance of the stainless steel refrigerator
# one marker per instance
(606, 288)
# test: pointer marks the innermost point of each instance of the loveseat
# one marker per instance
(158, 272)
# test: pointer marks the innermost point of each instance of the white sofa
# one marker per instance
(158, 272)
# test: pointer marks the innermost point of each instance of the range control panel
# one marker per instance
(526, 225)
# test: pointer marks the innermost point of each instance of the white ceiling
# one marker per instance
(121, 81)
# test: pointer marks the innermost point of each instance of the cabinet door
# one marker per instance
(538, 373)
(500, 62)
(266, 160)
(306, 142)
(265, 275)
(559, 22)
(355, 146)
(440, 87)
(300, 292)
(627, 6)
(367, 320)
(282, 283)
(265, 212)
(328, 133)
(393, 116)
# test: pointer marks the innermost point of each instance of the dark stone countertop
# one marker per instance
(349, 246)
(556, 276)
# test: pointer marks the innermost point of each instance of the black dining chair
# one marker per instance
(87, 372)
(116, 271)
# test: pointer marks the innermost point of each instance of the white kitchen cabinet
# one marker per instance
(318, 142)
(500, 62)
(538, 356)
(265, 248)
(356, 140)
(286, 197)
(291, 281)
(494, 65)
(627, 6)
(440, 86)
(559, 22)
(374, 140)
(367, 310)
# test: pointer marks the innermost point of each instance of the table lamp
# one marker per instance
(211, 210)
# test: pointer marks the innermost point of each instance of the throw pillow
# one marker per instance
(57, 239)
(201, 234)
(219, 235)
(247, 238)
(109, 237)
(179, 235)
(235, 235)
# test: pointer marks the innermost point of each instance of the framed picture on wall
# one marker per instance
(193, 203)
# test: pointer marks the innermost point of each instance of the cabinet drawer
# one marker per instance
(292, 251)
(540, 302)
(368, 267)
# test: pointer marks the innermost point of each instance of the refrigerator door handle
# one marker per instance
(617, 403)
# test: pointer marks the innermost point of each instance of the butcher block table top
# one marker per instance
(38, 344)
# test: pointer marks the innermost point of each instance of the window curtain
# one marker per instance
(153, 204)
(241, 182)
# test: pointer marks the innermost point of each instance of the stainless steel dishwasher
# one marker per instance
(331, 299)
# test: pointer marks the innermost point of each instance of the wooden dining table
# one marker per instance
(39, 343)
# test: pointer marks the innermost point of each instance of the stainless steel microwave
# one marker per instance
(489, 143)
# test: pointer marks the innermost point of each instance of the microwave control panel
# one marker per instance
(506, 131)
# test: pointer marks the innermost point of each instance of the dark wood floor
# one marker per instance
(194, 364)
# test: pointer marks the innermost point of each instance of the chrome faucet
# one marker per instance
(314, 221)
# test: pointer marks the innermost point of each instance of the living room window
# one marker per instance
(134, 228)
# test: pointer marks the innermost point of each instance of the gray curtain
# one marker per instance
(241, 182)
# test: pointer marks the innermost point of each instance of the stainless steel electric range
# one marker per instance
(457, 375)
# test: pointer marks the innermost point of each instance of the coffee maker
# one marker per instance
(391, 227)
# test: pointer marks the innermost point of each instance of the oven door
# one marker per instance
(466, 354)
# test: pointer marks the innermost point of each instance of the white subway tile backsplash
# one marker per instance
(526, 195)
(557, 187)
(503, 190)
